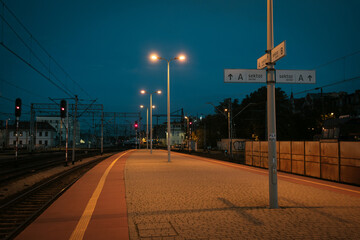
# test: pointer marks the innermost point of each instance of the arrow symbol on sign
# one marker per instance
(230, 76)
(310, 77)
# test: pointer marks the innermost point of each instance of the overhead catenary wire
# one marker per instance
(32, 52)
(35, 69)
(41, 47)
(20, 88)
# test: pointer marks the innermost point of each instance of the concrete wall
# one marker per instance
(336, 161)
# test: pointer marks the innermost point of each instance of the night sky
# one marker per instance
(105, 46)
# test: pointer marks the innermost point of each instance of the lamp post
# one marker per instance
(147, 126)
(187, 132)
(151, 107)
(230, 119)
(181, 58)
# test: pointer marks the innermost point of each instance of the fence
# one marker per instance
(336, 161)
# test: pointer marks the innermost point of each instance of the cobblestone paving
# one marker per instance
(194, 199)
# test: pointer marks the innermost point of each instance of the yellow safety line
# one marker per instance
(254, 170)
(83, 223)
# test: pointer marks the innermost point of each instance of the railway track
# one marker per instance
(17, 213)
(10, 170)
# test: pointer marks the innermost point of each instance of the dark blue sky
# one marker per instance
(105, 47)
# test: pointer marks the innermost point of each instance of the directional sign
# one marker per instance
(244, 76)
(278, 52)
(262, 61)
(296, 76)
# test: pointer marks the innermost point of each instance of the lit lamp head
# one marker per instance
(154, 57)
(225, 109)
(141, 106)
(182, 58)
(153, 106)
(158, 92)
(142, 91)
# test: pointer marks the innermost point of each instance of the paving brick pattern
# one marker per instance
(193, 199)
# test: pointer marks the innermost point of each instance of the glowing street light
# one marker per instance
(181, 58)
(152, 106)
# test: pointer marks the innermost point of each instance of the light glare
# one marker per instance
(142, 91)
(154, 57)
(182, 58)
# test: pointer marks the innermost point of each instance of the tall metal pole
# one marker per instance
(32, 121)
(17, 139)
(67, 134)
(229, 131)
(271, 114)
(168, 110)
(74, 131)
(147, 128)
(151, 133)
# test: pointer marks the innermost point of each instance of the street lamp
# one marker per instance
(188, 132)
(150, 93)
(181, 58)
(147, 126)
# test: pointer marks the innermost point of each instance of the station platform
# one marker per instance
(138, 195)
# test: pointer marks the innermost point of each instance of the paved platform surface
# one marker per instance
(196, 198)
(93, 208)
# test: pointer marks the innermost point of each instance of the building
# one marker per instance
(177, 133)
(45, 135)
(60, 128)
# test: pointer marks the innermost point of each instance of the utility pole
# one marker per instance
(67, 133)
(74, 131)
(32, 122)
(17, 138)
(271, 112)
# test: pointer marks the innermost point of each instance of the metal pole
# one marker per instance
(168, 109)
(32, 121)
(188, 133)
(273, 191)
(147, 128)
(74, 131)
(17, 139)
(229, 130)
(60, 133)
(67, 134)
(151, 133)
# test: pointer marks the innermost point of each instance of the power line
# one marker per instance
(32, 52)
(331, 84)
(35, 69)
(25, 90)
(40, 45)
(337, 59)
(13, 100)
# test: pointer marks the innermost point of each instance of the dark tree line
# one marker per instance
(294, 120)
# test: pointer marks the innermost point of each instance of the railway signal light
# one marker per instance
(136, 125)
(63, 108)
(17, 107)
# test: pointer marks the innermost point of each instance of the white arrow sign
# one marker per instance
(278, 52)
(296, 76)
(244, 76)
(262, 61)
